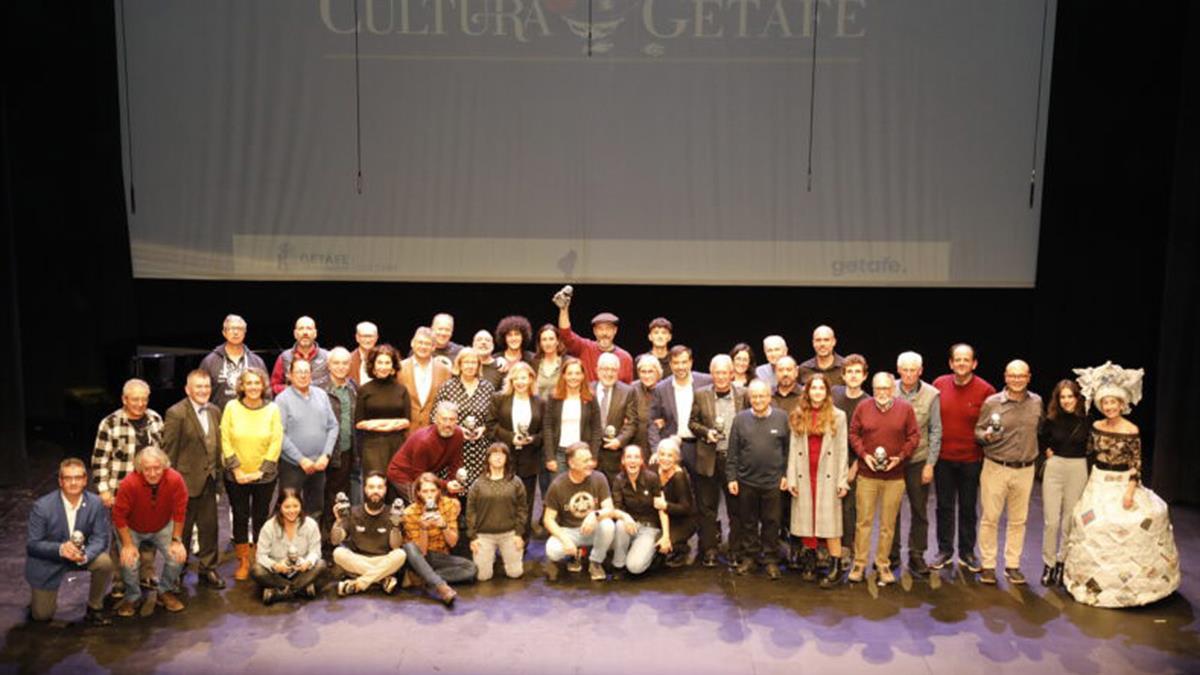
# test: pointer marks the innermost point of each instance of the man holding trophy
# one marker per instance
(884, 434)
(604, 328)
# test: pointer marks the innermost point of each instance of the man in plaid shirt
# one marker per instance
(120, 436)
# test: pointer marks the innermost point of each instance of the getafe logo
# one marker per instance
(645, 28)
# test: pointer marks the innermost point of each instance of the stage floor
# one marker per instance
(693, 620)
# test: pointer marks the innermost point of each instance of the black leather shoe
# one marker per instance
(212, 579)
(710, 559)
(1047, 575)
(941, 561)
(1058, 575)
(808, 565)
(971, 563)
(96, 618)
(917, 566)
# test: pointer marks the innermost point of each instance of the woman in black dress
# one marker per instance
(381, 414)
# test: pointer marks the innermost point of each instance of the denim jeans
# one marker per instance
(437, 568)
(635, 551)
(171, 569)
(601, 539)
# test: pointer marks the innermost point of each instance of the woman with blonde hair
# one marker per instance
(251, 441)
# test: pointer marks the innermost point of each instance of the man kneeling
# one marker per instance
(578, 512)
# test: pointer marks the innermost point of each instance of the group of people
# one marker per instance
(377, 463)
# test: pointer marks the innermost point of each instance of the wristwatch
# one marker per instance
(177, 540)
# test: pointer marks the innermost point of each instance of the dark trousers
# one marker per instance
(530, 483)
(310, 485)
(268, 578)
(918, 512)
(708, 502)
(336, 480)
(682, 530)
(251, 505)
(760, 521)
(957, 485)
(849, 519)
(436, 568)
(202, 514)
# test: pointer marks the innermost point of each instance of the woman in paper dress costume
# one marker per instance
(1121, 551)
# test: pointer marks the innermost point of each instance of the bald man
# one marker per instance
(1007, 430)
(305, 349)
(825, 360)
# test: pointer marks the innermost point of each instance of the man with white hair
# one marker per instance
(121, 435)
(366, 334)
(305, 349)
(151, 506)
(825, 360)
(618, 413)
(342, 472)
(883, 433)
(754, 473)
(711, 421)
(918, 470)
(774, 348)
(1007, 430)
(228, 360)
(310, 434)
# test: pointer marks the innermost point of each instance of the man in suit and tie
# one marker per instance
(53, 550)
(712, 418)
(618, 414)
(422, 375)
(672, 403)
(192, 441)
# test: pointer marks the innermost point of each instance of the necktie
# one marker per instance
(605, 397)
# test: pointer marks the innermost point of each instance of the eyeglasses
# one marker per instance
(73, 478)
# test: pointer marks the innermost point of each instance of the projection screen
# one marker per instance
(774, 142)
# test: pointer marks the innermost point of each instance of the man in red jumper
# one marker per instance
(436, 449)
(151, 506)
(883, 433)
(604, 327)
(956, 475)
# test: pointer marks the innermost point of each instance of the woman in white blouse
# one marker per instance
(518, 413)
(572, 416)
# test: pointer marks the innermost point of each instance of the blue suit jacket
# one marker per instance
(662, 406)
(44, 567)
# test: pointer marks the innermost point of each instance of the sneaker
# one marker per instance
(269, 595)
(445, 594)
(773, 572)
(885, 575)
(389, 585)
(596, 571)
(347, 587)
(117, 592)
(96, 618)
(574, 565)
(1014, 576)
(971, 562)
(856, 574)
(551, 569)
(170, 601)
(126, 609)
(987, 576)
(941, 561)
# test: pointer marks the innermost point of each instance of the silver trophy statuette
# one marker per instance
(719, 427)
(431, 510)
(881, 458)
(523, 432)
(562, 299)
(994, 424)
(78, 540)
(461, 475)
(610, 432)
(397, 510)
(293, 555)
(341, 505)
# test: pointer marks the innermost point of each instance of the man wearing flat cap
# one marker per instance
(604, 327)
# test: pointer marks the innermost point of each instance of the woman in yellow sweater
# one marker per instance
(251, 439)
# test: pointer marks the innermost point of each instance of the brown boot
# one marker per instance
(243, 556)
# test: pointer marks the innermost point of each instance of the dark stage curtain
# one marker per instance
(1176, 473)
